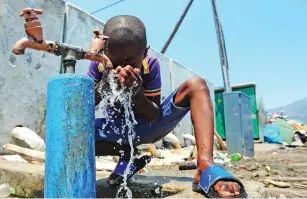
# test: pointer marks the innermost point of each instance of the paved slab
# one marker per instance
(28, 179)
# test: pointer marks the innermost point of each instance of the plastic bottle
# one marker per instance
(235, 157)
(30, 137)
(6, 190)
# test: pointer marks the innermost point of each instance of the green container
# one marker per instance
(248, 89)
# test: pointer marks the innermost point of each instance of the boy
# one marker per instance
(127, 50)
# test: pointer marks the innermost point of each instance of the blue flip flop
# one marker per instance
(210, 177)
(117, 176)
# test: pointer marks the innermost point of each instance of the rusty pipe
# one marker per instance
(24, 43)
(35, 41)
(58, 49)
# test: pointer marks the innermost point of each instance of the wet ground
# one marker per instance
(275, 171)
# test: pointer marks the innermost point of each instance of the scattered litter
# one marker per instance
(268, 168)
(243, 167)
(253, 167)
(188, 165)
(235, 157)
(279, 184)
(27, 154)
(173, 139)
(15, 158)
(229, 165)
(300, 186)
(289, 179)
(218, 161)
(189, 137)
(29, 137)
(219, 157)
(263, 174)
(6, 190)
(256, 174)
(246, 158)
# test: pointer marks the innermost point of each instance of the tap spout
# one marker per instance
(61, 49)
(24, 43)
(70, 54)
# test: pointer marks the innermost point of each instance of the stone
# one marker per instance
(263, 174)
(256, 174)
(253, 167)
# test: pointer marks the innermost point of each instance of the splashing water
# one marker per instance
(111, 98)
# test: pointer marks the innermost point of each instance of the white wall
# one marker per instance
(23, 79)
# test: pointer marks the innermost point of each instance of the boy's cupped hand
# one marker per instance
(129, 77)
(126, 77)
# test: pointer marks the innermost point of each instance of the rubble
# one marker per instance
(170, 173)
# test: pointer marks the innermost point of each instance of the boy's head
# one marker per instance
(127, 41)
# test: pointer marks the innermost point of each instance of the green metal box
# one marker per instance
(248, 89)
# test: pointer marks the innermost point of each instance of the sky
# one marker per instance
(266, 41)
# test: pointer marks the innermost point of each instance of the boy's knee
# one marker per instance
(197, 84)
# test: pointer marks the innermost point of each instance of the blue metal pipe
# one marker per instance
(70, 170)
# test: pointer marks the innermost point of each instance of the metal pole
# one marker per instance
(117, 2)
(176, 27)
(222, 49)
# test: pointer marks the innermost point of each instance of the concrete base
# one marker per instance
(28, 180)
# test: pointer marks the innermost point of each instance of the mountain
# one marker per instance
(296, 111)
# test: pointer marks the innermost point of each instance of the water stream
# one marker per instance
(115, 101)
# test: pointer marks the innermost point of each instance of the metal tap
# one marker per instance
(70, 53)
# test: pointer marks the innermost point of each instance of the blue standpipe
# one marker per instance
(70, 170)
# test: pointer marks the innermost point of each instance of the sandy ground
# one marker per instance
(281, 170)
(275, 171)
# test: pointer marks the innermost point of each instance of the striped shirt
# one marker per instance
(150, 73)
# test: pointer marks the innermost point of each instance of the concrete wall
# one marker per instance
(23, 79)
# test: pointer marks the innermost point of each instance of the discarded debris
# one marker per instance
(287, 179)
(300, 186)
(235, 157)
(188, 165)
(243, 167)
(6, 190)
(29, 137)
(268, 168)
(263, 174)
(15, 158)
(27, 154)
(256, 174)
(278, 184)
(220, 141)
(253, 167)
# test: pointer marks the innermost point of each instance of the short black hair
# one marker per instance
(126, 31)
